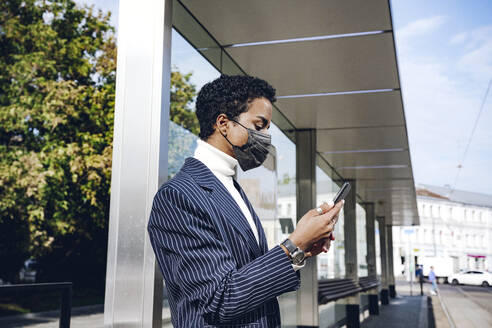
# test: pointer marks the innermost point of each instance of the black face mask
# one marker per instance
(255, 151)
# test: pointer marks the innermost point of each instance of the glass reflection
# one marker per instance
(285, 216)
(360, 214)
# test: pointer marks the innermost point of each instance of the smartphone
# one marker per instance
(342, 193)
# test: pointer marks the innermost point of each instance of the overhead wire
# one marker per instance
(460, 165)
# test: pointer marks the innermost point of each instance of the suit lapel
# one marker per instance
(223, 200)
(259, 227)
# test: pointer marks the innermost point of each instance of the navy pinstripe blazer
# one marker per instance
(215, 272)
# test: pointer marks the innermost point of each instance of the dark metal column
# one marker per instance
(307, 295)
(391, 274)
(371, 256)
(384, 260)
(351, 264)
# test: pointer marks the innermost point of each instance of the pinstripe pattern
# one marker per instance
(216, 273)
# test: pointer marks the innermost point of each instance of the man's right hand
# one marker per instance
(313, 227)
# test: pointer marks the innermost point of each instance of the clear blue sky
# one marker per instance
(445, 60)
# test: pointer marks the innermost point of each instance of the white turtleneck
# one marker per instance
(223, 167)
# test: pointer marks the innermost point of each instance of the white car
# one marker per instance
(479, 278)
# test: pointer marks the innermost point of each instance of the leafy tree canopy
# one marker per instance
(57, 91)
(57, 78)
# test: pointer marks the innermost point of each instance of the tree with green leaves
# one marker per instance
(57, 79)
(183, 94)
(57, 91)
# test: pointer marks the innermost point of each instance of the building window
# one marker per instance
(289, 209)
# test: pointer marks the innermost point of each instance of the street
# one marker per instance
(468, 306)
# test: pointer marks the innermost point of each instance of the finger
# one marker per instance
(313, 212)
(331, 226)
(340, 204)
(334, 210)
(326, 206)
(327, 234)
(327, 244)
(328, 230)
(330, 215)
(313, 246)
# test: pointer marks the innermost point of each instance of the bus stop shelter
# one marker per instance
(334, 66)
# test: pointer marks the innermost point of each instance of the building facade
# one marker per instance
(455, 228)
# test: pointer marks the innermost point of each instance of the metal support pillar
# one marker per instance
(384, 260)
(351, 263)
(371, 256)
(307, 294)
(391, 273)
(134, 285)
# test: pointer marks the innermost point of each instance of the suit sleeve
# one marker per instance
(192, 256)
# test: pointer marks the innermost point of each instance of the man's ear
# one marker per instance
(221, 124)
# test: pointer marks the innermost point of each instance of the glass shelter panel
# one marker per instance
(378, 248)
(360, 213)
(285, 214)
(328, 263)
(331, 265)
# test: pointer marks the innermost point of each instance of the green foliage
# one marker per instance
(57, 81)
(286, 179)
(57, 85)
(183, 94)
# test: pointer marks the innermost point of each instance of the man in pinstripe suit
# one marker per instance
(207, 238)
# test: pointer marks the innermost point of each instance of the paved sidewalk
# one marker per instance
(403, 311)
(468, 306)
(410, 309)
(82, 317)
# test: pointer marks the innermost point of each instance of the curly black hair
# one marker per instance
(231, 95)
